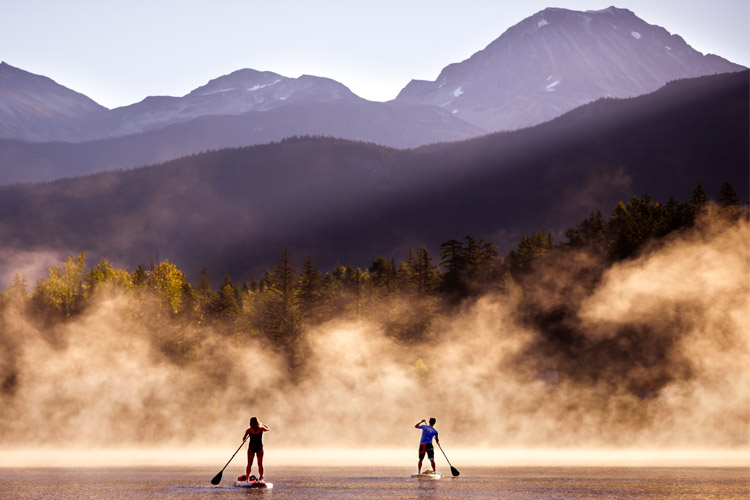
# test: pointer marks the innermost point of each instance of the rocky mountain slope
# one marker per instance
(544, 66)
(35, 108)
(557, 60)
(234, 210)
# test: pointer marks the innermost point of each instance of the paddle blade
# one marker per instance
(217, 478)
(454, 471)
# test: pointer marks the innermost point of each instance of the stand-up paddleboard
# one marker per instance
(253, 484)
(428, 474)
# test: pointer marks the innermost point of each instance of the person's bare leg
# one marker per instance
(419, 466)
(250, 458)
(260, 465)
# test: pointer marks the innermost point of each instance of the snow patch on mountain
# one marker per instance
(636, 35)
(217, 91)
(541, 23)
(262, 86)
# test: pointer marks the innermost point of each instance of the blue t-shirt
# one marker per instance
(428, 432)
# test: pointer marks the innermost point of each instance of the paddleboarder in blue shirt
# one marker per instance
(425, 444)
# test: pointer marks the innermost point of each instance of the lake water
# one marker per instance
(537, 483)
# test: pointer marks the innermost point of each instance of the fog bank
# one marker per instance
(655, 354)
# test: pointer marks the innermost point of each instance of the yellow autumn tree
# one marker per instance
(168, 284)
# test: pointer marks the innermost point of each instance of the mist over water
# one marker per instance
(656, 355)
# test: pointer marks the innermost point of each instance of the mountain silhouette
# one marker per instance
(546, 65)
(557, 60)
(335, 200)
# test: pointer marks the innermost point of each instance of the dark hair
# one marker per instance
(432, 421)
(254, 423)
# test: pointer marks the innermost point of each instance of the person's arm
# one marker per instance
(423, 421)
(265, 428)
(247, 433)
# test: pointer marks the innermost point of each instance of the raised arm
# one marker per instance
(265, 428)
(423, 421)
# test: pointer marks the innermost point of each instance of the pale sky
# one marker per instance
(119, 51)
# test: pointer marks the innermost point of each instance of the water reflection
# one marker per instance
(342, 483)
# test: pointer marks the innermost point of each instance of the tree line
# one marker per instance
(405, 297)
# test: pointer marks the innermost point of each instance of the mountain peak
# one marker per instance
(241, 80)
(559, 59)
(36, 108)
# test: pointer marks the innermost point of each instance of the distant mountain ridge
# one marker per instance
(234, 210)
(557, 60)
(544, 66)
(234, 94)
(35, 108)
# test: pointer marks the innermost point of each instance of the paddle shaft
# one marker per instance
(217, 477)
(454, 471)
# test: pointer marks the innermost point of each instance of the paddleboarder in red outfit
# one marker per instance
(255, 433)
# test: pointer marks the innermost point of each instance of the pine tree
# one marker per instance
(729, 203)
(423, 275)
(698, 202)
(138, 277)
(281, 318)
(727, 196)
(529, 249)
(590, 231)
(310, 293)
(17, 294)
(224, 304)
(383, 274)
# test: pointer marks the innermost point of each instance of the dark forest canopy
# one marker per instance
(405, 297)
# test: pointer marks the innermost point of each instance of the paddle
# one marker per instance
(217, 478)
(454, 471)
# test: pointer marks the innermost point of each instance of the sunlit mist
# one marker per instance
(95, 390)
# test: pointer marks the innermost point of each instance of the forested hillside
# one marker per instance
(405, 297)
(231, 211)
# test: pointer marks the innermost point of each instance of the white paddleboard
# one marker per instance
(428, 475)
(253, 484)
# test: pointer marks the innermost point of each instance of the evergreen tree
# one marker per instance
(383, 274)
(204, 290)
(729, 203)
(727, 196)
(310, 293)
(17, 294)
(698, 202)
(676, 216)
(468, 267)
(224, 304)
(633, 224)
(138, 277)
(281, 316)
(529, 249)
(590, 230)
(422, 274)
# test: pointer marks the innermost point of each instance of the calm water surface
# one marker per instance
(538, 483)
